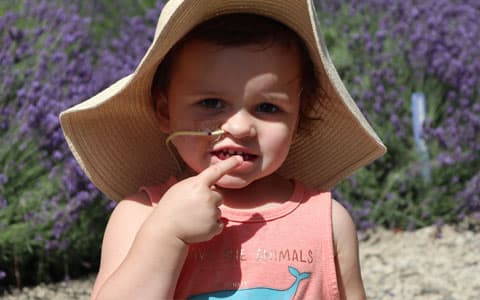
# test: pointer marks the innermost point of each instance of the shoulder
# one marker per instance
(125, 221)
(339, 219)
(346, 253)
(129, 214)
(140, 204)
(344, 231)
(123, 225)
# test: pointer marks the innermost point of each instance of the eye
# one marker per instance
(267, 108)
(212, 103)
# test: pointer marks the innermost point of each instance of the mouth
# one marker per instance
(226, 153)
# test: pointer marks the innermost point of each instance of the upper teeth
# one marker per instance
(232, 152)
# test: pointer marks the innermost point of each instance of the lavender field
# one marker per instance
(54, 54)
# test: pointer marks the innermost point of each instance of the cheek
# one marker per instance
(278, 140)
(190, 145)
(192, 151)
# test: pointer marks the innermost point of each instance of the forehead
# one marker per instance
(203, 64)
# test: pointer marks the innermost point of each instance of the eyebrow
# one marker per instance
(276, 96)
(201, 91)
(272, 93)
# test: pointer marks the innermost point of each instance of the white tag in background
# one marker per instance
(419, 105)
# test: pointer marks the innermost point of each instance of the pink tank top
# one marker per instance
(281, 253)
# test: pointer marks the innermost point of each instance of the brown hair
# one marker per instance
(245, 29)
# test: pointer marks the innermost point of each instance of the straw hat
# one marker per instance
(116, 139)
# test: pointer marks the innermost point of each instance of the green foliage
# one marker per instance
(6, 6)
(27, 187)
(26, 222)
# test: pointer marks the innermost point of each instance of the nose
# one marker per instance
(240, 125)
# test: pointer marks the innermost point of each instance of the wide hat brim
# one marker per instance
(116, 139)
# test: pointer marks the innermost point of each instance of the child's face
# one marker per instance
(252, 92)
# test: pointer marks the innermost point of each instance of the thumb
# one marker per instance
(213, 173)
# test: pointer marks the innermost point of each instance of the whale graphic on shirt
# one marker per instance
(260, 293)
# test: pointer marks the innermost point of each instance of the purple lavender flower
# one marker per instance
(401, 47)
(3, 203)
(50, 61)
(3, 179)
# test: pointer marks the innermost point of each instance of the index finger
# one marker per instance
(213, 173)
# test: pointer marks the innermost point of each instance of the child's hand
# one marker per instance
(189, 209)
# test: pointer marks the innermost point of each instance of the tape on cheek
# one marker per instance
(207, 125)
(209, 128)
(204, 128)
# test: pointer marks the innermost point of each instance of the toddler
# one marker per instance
(222, 146)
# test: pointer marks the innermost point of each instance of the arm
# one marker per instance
(145, 247)
(347, 260)
(132, 258)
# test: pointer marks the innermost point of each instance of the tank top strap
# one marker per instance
(322, 202)
(156, 192)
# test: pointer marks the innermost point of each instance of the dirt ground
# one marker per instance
(424, 264)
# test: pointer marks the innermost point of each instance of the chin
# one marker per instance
(230, 182)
